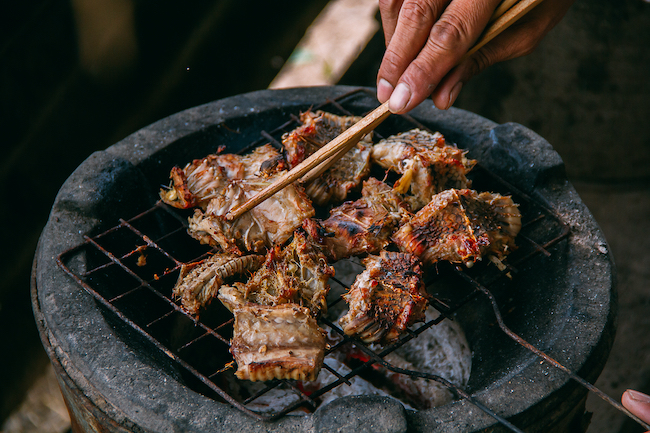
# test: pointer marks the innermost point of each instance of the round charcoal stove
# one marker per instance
(129, 359)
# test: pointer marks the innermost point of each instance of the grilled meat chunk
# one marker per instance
(361, 226)
(428, 164)
(276, 342)
(218, 183)
(298, 274)
(317, 130)
(270, 223)
(199, 282)
(386, 298)
(204, 179)
(461, 226)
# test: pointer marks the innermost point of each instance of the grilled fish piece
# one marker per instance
(317, 130)
(386, 298)
(276, 342)
(361, 226)
(204, 179)
(298, 274)
(428, 164)
(270, 223)
(199, 282)
(461, 226)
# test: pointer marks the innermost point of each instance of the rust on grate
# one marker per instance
(138, 261)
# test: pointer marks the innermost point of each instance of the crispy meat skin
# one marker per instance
(361, 226)
(276, 342)
(199, 282)
(297, 273)
(386, 298)
(461, 226)
(428, 164)
(317, 130)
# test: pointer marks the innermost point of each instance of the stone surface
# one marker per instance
(348, 414)
(622, 212)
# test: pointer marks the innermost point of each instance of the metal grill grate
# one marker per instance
(132, 267)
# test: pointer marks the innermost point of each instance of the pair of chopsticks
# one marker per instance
(505, 15)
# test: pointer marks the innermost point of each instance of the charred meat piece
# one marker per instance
(317, 130)
(361, 226)
(297, 274)
(386, 298)
(428, 164)
(207, 178)
(270, 223)
(461, 226)
(201, 180)
(199, 282)
(276, 342)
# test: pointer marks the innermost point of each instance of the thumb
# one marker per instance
(637, 403)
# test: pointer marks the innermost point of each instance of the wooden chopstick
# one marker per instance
(502, 8)
(517, 11)
(348, 138)
(313, 174)
(324, 157)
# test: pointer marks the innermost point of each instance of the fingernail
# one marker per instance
(638, 396)
(454, 94)
(384, 90)
(399, 98)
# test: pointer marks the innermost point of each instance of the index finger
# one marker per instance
(412, 28)
(451, 36)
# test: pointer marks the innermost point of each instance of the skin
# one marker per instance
(637, 403)
(425, 40)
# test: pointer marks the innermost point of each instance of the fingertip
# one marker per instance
(637, 396)
(637, 403)
(384, 90)
(400, 98)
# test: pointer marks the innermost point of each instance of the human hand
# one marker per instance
(425, 40)
(637, 403)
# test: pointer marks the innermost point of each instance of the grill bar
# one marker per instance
(537, 212)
